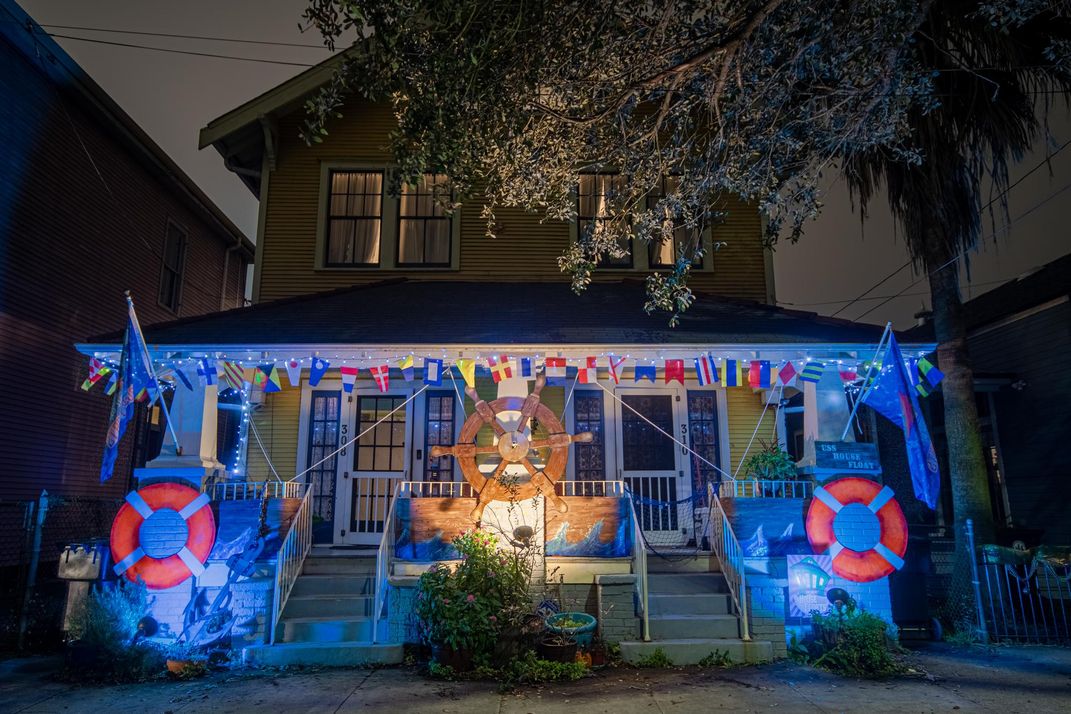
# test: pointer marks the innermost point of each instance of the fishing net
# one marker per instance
(673, 529)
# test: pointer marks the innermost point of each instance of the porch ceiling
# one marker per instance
(439, 312)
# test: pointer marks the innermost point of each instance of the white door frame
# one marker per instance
(420, 412)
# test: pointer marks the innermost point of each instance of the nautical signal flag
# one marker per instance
(251, 375)
(293, 372)
(317, 370)
(232, 375)
(787, 373)
(501, 368)
(645, 371)
(733, 374)
(181, 376)
(615, 366)
(758, 375)
(812, 372)
(589, 373)
(928, 377)
(526, 368)
(349, 377)
(554, 367)
(96, 371)
(382, 376)
(705, 370)
(408, 367)
(848, 372)
(271, 381)
(467, 369)
(113, 382)
(674, 371)
(433, 372)
(206, 371)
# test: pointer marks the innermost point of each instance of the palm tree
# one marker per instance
(994, 80)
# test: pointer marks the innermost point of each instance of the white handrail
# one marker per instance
(639, 565)
(730, 556)
(384, 556)
(291, 557)
(765, 488)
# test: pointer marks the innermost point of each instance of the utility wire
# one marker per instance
(996, 198)
(182, 52)
(187, 37)
(882, 297)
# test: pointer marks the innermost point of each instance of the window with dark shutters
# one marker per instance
(174, 260)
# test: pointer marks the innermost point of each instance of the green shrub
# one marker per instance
(853, 643)
(656, 659)
(531, 670)
(104, 646)
(770, 463)
(717, 658)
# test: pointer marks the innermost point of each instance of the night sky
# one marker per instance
(173, 95)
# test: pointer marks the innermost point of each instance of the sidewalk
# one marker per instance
(1003, 679)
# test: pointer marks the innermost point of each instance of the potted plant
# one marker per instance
(579, 625)
(557, 647)
(599, 654)
(185, 662)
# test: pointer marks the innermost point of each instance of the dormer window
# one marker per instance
(666, 253)
(595, 195)
(424, 228)
(354, 218)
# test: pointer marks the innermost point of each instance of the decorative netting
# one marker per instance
(674, 530)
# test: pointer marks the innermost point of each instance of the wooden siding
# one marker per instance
(277, 421)
(69, 246)
(745, 408)
(526, 248)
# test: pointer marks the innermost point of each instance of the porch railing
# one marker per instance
(611, 489)
(730, 556)
(765, 489)
(435, 489)
(291, 557)
(254, 490)
(385, 553)
(639, 564)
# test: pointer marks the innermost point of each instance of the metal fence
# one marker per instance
(1026, 595)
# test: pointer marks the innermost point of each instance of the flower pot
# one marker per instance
(583, 634)
(598, 655)
(557, 652)
(458, 660)
(176, 666)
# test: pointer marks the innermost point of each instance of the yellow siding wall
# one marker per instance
(525, 248)
(745, 407)
(276, 421)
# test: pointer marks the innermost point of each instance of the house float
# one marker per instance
(401, 378)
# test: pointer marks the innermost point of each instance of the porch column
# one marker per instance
(825, 412)
(193, 416)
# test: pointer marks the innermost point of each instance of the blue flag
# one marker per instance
(134, 376)
(894, 397)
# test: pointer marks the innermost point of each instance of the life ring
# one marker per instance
(163, 535)
(859, 523)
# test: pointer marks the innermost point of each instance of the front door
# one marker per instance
(370, 469)
(651, 466)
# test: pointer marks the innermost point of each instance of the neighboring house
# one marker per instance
(1019, 337)
(90, 206)
(349, 274)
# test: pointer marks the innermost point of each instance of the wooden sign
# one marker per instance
(847, 456)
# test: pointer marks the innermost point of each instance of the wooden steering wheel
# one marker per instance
(513, 447)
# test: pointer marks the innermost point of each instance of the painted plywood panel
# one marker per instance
(593, 527)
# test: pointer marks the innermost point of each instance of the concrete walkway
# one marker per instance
(1005, 680)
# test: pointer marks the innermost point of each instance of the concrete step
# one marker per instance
(324, 629)
(673, 627)
(336, 565)
(337, 654)
(699, 563)
(329, 606)
(686, 583)
(691, 650)
(691, 604)
(333, 585)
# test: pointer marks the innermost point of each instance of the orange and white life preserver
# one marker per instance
(163, 535)
(859, 523)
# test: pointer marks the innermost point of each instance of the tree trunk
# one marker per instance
(966, 455)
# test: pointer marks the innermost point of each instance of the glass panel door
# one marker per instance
(440, 428)
(378, 464)
(324, 411)
(703, 440)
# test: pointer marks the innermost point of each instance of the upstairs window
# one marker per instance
(666, 253)
(174, 263)
(595, 195)
(354, 218)
(424, 228)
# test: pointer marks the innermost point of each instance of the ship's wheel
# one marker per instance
(513, 446)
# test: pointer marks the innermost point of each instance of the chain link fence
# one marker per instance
(33, 535)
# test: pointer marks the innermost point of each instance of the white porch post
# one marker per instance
(193, 415)
(825, 411)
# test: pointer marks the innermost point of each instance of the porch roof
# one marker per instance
(442, 312)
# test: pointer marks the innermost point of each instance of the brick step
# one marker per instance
(690, 604)
(670, 627)
(330, 654)
(325, 629)
(700, 563)
(332, 584)
(329, 606)
(691, 650)
(686, 583)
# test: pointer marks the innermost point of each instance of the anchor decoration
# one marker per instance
(513, 445)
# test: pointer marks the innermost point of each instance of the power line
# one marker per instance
(883, 297)
(996, 198)
(186, 37)
(182, 52)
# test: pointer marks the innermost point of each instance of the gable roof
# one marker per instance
(1043, 285)
(436, 312)
(20, 30)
